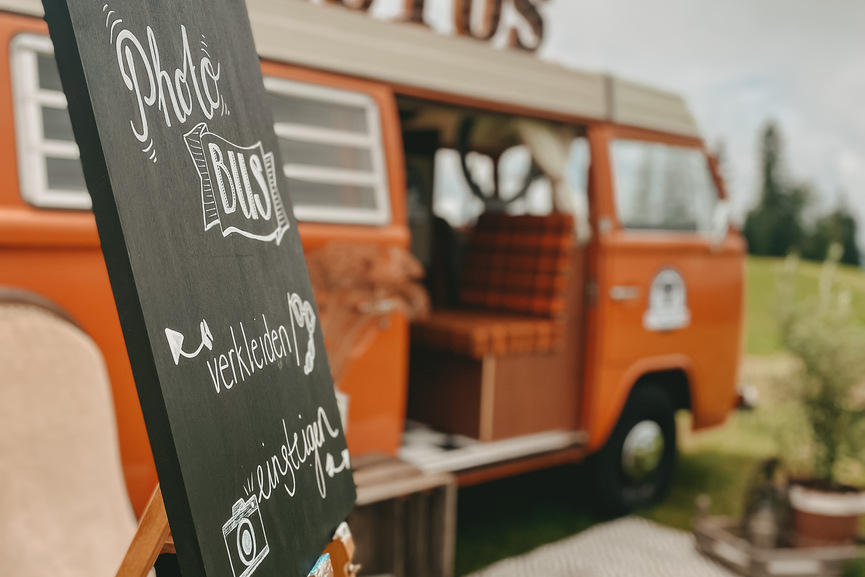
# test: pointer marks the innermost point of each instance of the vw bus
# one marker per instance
(583, 279)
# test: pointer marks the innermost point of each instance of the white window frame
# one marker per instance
(28, 98)
(377, 178)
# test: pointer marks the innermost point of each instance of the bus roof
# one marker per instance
(339, 40)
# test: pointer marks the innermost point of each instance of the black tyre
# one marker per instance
(634, 468)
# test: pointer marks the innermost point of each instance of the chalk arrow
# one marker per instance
(175, 342)
(206, 335)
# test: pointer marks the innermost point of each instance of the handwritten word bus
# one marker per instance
(585, 284)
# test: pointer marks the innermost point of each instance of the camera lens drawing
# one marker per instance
(246, 542)
(244, 535)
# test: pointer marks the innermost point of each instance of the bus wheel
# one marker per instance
(633, 469)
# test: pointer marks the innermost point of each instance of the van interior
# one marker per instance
(497, 208)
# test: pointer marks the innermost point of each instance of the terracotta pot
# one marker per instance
(825, 518)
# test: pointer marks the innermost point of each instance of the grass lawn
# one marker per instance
(513, 516)
(761, 335)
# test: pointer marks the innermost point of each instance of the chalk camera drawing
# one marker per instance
(245, 539)
(233, 177)
(668, 302)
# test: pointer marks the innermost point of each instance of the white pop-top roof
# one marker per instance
(339, 40)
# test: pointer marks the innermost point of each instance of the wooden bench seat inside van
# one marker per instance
(514, 281)
(470, 365)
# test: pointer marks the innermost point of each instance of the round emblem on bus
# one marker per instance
(668, 302)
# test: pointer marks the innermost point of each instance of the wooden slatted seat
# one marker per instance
(514, 280)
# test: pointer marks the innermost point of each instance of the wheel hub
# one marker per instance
(642, 450)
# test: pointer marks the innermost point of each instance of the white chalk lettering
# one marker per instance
(294, 451)
(256, 349)
(174, 91)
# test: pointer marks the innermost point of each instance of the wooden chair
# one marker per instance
(65, 510)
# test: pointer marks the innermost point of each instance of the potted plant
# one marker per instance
(829, 345)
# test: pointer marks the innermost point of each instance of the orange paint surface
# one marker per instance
(622, 350)
(56, 254)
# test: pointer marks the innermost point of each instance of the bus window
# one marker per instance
(577, 170)
(453, 199)
(48, 158)
(331, 145)
(514, 164)
(661, 187)
(330, 141)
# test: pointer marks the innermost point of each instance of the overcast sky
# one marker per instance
(738, 63)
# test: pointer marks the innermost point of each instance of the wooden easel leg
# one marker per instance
(341, 551)
(152, 538)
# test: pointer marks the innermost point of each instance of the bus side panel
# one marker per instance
(707, 349)
(376, 386)
(376, 381)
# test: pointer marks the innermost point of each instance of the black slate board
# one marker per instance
(209, 277)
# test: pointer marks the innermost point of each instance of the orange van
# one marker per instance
(584, 280)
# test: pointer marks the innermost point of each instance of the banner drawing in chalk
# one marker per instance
(175, 342)
(238, 187)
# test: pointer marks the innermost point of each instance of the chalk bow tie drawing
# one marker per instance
(175, 341)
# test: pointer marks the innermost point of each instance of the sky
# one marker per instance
(739, 64)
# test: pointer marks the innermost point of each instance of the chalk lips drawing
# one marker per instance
(175, 342)
(245, 539)
(238, 187)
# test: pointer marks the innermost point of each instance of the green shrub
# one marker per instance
(855, 568)
(829, 344)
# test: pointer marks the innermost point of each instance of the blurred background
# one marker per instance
(777, 88)
(741, 66)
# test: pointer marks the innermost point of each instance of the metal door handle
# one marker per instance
(624, 293)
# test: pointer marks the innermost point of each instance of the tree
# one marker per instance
(774, 227)
(837, 227)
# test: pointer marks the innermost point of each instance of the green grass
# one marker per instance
(512, 516)
(761, 333)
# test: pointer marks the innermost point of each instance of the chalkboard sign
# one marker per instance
(179, 154)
